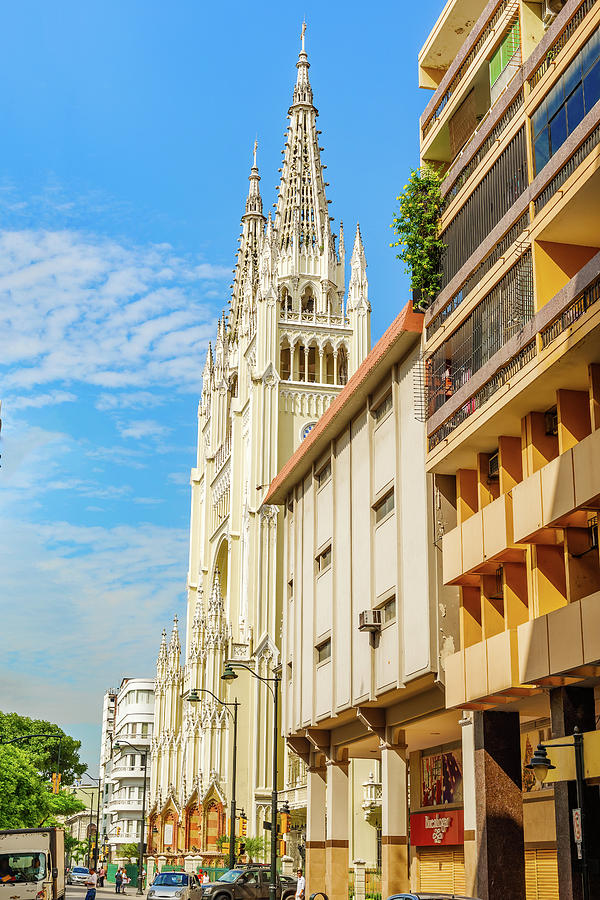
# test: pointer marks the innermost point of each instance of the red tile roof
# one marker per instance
(406, 321)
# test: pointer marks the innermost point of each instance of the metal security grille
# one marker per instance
(563, 39)
(501, 377)
(491, 199)
(573, 312)
(486, 146)
(482, 269)
(500, 315)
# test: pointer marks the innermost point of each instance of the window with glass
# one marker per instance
(324, 560)
(571, 98)
(323, 651)
(384, 506)
(384, 407)
(388, 611)
(324, 474)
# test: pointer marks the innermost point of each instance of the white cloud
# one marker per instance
(129, 400)
(143, 428)
(76, 307)
(37, 401)
(179, 477)
(148, 501)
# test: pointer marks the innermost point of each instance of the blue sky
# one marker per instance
(127, 130)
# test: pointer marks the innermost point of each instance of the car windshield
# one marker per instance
(171, 879)
(22, 867)
(231, 875)
(79, 870)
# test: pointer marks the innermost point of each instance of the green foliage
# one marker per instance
(75, 850)
(129, 850)
(43, 751)
(255, 847)
(24, 799)
(62, 804)
(416, 225)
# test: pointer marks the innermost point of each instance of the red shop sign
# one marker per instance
(437, 828)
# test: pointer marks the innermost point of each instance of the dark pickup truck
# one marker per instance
(248, 883)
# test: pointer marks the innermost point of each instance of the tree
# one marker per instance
(417, 225)
(43, 751)
(129, 850)
(60, 806)
(255, 846)
(24, 799)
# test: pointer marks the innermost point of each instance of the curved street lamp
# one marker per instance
(540, 764)
(193, 697)
(228, 676)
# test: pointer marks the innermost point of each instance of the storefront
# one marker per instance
(437, 838)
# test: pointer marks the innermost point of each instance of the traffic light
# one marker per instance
(282, 848)
(243, 825)
(56, 782)
(118, 831)
(285, 822)
(242, 848)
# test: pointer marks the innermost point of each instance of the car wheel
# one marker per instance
(222, 897)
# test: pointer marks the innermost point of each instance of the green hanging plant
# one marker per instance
(417, 225)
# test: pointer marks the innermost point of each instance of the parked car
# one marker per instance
(170, 885)
(248, 883)
(429, 896)
(78, 875)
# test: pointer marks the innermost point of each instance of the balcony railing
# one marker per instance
(573, 312)
(223, 453)
(294, 315)
(372, 798)
(439, 107)
(567, 170)
(561, 41)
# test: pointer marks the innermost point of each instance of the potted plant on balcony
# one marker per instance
(417, 226)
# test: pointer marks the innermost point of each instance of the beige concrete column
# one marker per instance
(395, 875)
(306, 350)
(336, 845)
(321, 355)
(315, 831)
(470, 817)
(335, 367)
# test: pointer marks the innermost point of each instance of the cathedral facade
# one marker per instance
(289, 342)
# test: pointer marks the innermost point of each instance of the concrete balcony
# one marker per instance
(482, 543)
(559, 494)
(372, 800)
(485, 674)
(562, 647)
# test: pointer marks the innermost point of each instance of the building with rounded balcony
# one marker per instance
(123, 755)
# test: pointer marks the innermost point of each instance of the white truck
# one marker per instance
(32, 864)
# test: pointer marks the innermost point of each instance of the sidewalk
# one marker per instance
(78, 891)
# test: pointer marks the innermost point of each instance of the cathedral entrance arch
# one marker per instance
(193, 827)
(214, 823)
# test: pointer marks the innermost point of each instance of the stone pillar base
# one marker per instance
(395, 877)
(315, 867)
(336, 865)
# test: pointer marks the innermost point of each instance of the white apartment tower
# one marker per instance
(289, 342)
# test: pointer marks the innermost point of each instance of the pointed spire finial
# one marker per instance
(302, 33)
(254, 166)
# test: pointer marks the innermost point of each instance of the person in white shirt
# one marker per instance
(300, 885)
(205, 878)
(91, 884)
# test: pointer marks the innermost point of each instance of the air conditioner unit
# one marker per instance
(494, 466)
(551, 417)
(369, 620)
(551, 9)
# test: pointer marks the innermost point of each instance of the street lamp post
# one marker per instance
(194, 698)
(540, 764)
(89, 828)
(144, 753)
(228, 676)
(91, 777)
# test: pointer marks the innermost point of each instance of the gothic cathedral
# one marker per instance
(290, 341)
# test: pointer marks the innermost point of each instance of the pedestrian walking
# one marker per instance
(126, 881)
(118, 881)
(91, 883)
(205, 877)
(101, 876)
(300, 885)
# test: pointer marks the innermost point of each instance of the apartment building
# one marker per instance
(131, 711)
(366, 625)
(512, 375)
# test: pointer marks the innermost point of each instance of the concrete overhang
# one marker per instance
(446, 38)
(402, 335)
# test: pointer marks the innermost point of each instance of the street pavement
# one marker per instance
(78, 891)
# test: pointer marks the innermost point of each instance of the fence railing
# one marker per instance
(563, 38)
(372, 884)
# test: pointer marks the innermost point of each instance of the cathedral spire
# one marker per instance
(245, 282)
(302, 216)
(254, 202)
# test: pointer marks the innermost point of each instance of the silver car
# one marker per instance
(78, 875)
(175, 886)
